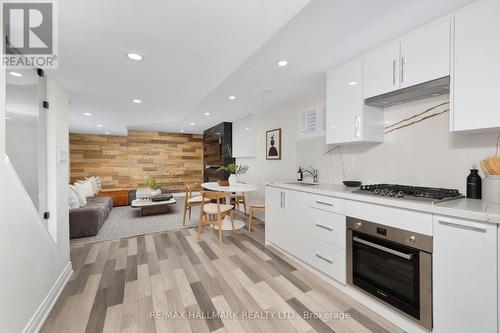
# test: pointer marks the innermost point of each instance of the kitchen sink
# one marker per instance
(303, 183)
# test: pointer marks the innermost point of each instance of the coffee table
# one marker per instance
(149, 207)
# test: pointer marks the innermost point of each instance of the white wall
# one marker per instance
(35, 258)
(422, 154)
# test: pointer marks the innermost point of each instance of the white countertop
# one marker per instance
(462, 208)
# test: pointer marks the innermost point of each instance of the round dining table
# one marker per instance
(238, 188)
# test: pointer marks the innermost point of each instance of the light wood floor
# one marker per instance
(119, 285)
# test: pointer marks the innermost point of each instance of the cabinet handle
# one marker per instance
(394, 72)
(403, 63)
(324, 203)
(330, 261)
(462, 226)
(281, 198)
(357, 121)
(319, 225)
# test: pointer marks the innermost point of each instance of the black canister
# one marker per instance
(474, 184)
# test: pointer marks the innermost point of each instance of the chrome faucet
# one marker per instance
(313, 172)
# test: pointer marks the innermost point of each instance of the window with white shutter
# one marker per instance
(311, 122)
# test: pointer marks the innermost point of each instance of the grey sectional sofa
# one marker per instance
(86, 221)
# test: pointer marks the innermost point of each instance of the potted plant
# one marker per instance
(234, 170)
(154, 185)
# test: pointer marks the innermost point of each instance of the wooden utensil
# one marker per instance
(491, 166)
(485, 167)
(494, 164)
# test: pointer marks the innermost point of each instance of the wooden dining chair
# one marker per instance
(213, 213)
(237, 199)
(255, 207)
(191, 202)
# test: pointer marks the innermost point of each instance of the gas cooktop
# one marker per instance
(430, 194)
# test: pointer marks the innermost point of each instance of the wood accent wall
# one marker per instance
(124, 162)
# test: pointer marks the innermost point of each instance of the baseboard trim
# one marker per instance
(42, 312)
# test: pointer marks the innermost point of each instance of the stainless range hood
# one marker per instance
(427, 89)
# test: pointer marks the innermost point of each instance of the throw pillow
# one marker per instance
(82, 199)
(93, 181)
(73, 200)
(86, 188)
(99, 183)
(85, 184)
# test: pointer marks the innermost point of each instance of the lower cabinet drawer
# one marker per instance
(331, 204)
(328, 227)
(329, 259)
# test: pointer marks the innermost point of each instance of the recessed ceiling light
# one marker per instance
(100, 125)
(232, 97)
(182, 131)
(8, 118)
(207, 113)
(137, 101)
(16, 74)
(87, 114)
(134, 56)
(282, 63)
(352, 83)
(192, 124)
(107, 132)
(247, 128)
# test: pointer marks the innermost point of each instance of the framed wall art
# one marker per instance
(273, 144)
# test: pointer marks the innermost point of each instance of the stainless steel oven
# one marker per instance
(393, 265)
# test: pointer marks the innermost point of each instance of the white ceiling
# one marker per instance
(199, 52)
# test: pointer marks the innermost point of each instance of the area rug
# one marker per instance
(127, 222)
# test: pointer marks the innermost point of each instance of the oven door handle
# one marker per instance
(383, 248)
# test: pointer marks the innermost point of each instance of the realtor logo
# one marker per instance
(30, 34)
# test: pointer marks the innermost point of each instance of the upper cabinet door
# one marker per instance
(381, 70)
(344, 103)
(475, 77)
(244, 137)
(425, 55)
(348, 119)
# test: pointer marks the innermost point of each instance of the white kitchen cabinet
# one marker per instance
(425, 55)
(244, 137)
(476, 67)
(284, 222)
(328, 259)
(417, 58)
(381, 70)
(326, 242)
(348, 119)
(326, 226)
(275, 216)
(464, 276)
(311, 233)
